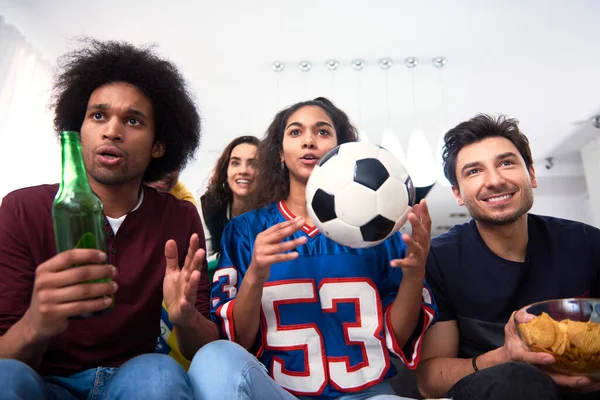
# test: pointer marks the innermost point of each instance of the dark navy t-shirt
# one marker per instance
(480, 290)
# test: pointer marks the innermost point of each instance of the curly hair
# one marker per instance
(480, 127)
(218, 194)
(97, 63)
(274, 182)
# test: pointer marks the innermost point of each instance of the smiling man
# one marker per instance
(502, 260)
(137, 122)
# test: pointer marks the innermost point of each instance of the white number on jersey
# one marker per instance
(306, 337)
(230, 287)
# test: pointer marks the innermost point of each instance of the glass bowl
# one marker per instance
(568, 329)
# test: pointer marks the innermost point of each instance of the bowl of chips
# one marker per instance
(568, 329)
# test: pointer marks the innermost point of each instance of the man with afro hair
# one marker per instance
(137, 122)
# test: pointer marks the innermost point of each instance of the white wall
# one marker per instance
(225, 51)
(590, 156)
(30, 151)
(576, 208)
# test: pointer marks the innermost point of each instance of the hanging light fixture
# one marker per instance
(305, 67)
(419, 158)
(332, 65)
(441, 178)
(390, 142)
(439, 63)
(358, 65)
(277, 67)
(389, 138)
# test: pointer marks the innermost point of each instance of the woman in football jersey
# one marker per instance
(323, 318)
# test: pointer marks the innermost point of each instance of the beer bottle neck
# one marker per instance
(74, 175)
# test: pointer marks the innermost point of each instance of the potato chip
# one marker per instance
(574, 344)
(586, 338)
(561, 342)
(540, 331)
(573, 327)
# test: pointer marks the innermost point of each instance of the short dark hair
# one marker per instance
(273, 182)
(482, 126)
(97, 63)
(218, 194)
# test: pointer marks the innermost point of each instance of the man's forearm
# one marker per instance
(436, 376)
(196, 334)
(19, 344)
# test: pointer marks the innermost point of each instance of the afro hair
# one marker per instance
(97, 63)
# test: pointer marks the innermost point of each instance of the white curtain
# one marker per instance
(30, 151)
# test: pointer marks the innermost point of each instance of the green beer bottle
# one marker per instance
(76, 211)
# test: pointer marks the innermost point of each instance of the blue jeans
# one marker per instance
(147, 377)
(224, 370)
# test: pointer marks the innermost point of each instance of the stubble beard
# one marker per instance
(500, 218)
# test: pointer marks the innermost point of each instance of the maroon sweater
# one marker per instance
(137, 251)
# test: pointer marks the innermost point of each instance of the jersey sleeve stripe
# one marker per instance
(225, 314)
(392, 343)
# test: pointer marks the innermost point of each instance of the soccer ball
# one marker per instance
(359, 194)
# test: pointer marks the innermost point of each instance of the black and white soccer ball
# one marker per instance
(359, 194)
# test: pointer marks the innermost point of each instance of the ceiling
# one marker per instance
(535, 60)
